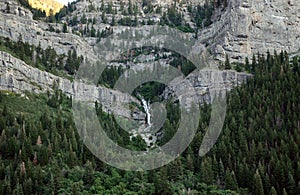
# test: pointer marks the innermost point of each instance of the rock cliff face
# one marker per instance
(12, 7)
(17, 22)
(17, 76)
(206, 83)
(250, 26)
(241, 29)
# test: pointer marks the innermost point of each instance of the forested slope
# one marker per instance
(257, 151)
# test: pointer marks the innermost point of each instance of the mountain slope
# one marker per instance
(257, 152)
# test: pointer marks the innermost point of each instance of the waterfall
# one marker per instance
(146, 106)
(148, 137)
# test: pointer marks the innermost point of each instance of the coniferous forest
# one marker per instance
(256, 153)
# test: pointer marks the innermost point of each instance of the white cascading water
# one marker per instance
(146, 106)
(149, 138)
(147, 110)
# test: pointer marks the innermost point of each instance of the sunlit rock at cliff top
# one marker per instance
(48, 5)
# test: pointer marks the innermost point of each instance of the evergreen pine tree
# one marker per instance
(230, 180)
(273, 191)
(258, 186)
(65, 28)
(227, 63)
(206, 171)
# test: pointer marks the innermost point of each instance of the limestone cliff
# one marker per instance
(247, 27)
(17, 76)
(206, 83)
(242, 28)
(18, 22)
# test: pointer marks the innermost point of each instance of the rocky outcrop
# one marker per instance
(12, 7)
(247, 27)
(17, 76)
(241, 29)
(18, 23)
(202, 85)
